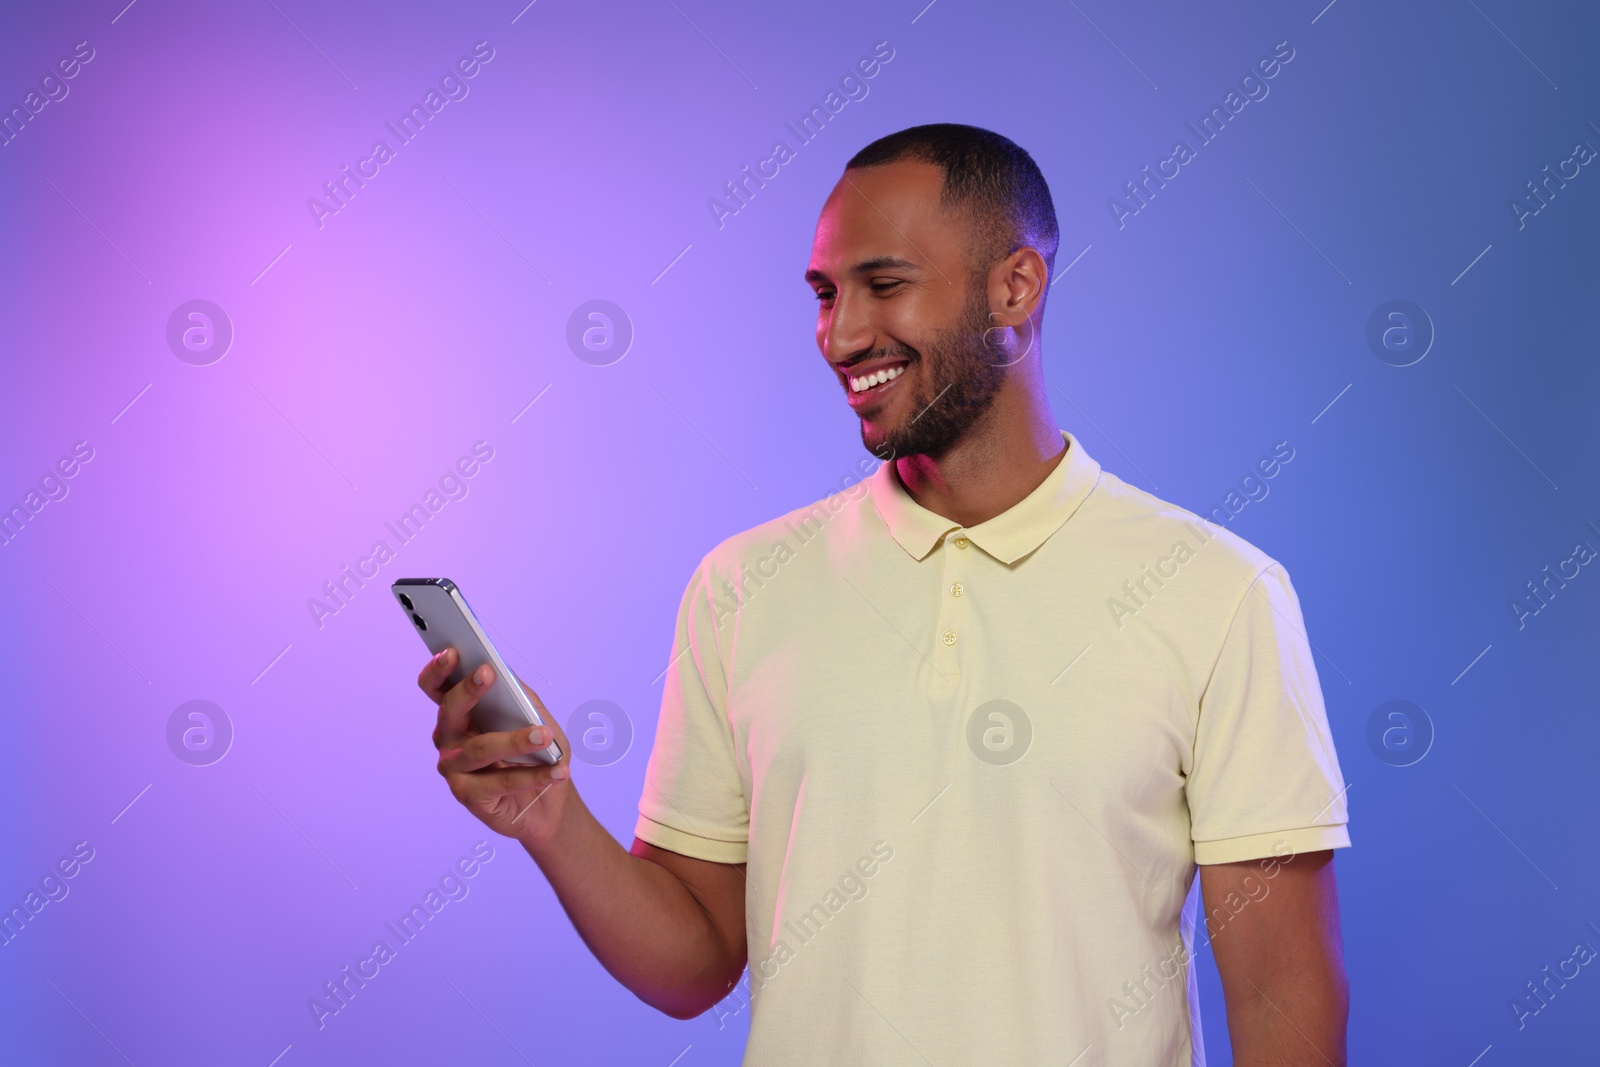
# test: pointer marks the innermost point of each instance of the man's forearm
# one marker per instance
(641, 922)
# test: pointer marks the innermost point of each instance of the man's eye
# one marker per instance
(824, 295)
(884, 287)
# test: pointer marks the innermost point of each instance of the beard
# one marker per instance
(958, 382)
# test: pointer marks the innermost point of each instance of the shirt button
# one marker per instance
(962, 542)
(949, 637)
(957, 589)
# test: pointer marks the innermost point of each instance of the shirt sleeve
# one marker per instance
(693, 801)
(1265, 779)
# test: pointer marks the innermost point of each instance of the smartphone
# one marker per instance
(441, 616)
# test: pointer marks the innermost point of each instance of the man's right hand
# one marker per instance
(669, 927)
(514, 799)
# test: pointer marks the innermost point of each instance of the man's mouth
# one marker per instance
(864, 387)
(871, 381)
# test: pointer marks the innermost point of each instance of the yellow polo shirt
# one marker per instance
(972, 769)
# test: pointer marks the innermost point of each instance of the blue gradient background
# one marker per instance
(429, 312)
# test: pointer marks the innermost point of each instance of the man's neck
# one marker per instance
(1005, 456)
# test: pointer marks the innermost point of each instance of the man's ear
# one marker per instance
(1016, 290)
(1016, 287)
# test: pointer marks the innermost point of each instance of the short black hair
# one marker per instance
(988, 175)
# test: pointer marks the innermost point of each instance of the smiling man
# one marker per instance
(945, 806)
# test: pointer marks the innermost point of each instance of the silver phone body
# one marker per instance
(448, 622)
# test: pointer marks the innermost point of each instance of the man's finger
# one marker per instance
(435, 673)
(560, 735)
(499, 782)
(480, 751)
(455, 709)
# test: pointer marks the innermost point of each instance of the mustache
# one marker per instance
(899, 351)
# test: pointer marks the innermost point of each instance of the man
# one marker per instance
(938, 756)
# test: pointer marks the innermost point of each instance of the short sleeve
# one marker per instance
(1265, 779)
(693, 801)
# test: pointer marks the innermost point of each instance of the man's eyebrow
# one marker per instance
(867, 266)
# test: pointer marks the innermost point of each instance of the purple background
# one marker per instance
(427, 314)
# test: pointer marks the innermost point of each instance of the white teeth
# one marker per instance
(858, 385)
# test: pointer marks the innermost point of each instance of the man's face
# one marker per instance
(900, 307)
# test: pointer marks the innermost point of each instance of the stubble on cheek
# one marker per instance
(955, 382)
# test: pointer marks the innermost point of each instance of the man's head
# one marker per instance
(930, 263)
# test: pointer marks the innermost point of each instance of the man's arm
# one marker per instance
(1274, 928)
(669, 927)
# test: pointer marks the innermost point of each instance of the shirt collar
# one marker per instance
(1010, 535)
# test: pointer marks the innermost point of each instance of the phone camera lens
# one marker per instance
(418, 620)
(405, 602)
